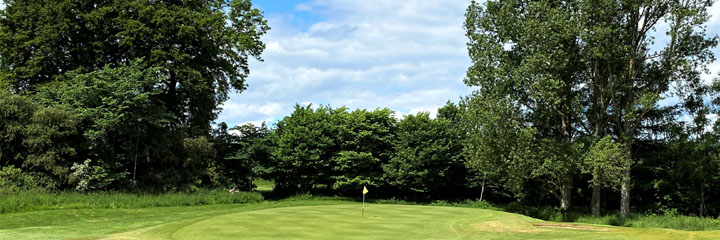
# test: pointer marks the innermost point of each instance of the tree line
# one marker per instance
(575, 103)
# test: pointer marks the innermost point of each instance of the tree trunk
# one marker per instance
(482, 187)
(702, 199)
(565, 196)
(625, 194)
(595, 201)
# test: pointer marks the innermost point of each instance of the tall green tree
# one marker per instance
(493, 132)
(118, 114)
(637, 74)
(605, 161)
(587, 67)
(528, 52)
(202, 47)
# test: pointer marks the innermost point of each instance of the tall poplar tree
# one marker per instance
(527, 54)
(588, 68)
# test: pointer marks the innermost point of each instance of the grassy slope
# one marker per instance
(280, 220)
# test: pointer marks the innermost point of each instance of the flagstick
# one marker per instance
(363, 210)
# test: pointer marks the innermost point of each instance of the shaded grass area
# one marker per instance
(36, 201)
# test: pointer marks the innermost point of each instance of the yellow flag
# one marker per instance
(365, 191)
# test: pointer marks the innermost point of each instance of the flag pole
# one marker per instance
(363, 207)
(365, 191)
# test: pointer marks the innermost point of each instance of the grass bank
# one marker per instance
(37, 201)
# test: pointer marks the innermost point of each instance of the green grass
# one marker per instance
(297, 220)
(100, 222)
(264, 185)
(402, 222)
(35, 201)
(305, 217)
(678, 222)
(206, 215)
(655, 221)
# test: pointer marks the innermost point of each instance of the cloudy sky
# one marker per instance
(407, 55)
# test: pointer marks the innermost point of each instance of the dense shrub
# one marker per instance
(14, 180)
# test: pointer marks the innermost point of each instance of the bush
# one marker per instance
(88, 177)
(14, 180)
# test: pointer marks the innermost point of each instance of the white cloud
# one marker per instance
(408, 56)
(714, 12)
(2, 4)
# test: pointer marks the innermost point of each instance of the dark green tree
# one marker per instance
(368, 138)
(201, 47)
(15, 114)
(243, 154)
(427, 160)
(307, 141)
(51, 137)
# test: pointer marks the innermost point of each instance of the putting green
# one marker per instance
(392, 222)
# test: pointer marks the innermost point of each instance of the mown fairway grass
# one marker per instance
(310, 219)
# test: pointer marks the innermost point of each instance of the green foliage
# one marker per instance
(51, 138)
(669, 221)
(124, 83)
(201, 47)
(114, 106)
(605, 162)
(584, 70)
(90, 177)
(200, 153)
(491, 143)
(252, 157)
(12, 180)
(427, 159)
(530, 64)
(356, 170)
(331, 147)
(306, 141)
(367, 145)
(15, 113)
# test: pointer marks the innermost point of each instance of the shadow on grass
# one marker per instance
(621, 221)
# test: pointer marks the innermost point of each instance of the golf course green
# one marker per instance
(389, 222)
